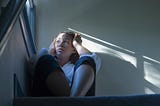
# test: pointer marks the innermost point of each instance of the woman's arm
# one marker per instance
(77, 43)
(84, 74)
(83, 80)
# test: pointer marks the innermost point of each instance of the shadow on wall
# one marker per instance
(123, 72)
(119, 77)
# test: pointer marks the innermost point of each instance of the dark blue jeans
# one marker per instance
(46, 65)
(89, 61)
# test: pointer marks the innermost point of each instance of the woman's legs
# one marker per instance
(84, 77)
(49, 79)
(57, 83)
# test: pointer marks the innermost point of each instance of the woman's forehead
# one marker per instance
(63, 36)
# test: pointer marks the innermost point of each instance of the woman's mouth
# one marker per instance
(60, 50)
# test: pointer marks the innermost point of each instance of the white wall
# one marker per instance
(13, 58)
(128, 39)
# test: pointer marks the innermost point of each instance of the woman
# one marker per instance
(66, 69)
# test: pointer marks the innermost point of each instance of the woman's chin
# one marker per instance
(59, 54)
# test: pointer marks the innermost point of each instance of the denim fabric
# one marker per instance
(45, 65)
(87, 60)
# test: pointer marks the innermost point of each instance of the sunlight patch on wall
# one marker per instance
(149, 66)
(148, 91)
(150, 59)
(152, 73)
(94, 38)
(95, 46)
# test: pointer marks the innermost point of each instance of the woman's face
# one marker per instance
(63, 45)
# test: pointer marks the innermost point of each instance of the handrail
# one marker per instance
(8, 18)
(27, 34)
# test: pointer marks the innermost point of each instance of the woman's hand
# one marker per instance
(77, 43)
(77, 39)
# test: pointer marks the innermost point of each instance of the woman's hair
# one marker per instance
(75, 56)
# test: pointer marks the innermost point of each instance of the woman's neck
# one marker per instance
(62, 61)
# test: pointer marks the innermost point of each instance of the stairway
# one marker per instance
(132, 100)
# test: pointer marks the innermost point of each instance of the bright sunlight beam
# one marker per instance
(96, 47)
(99, 40)
(151, 67)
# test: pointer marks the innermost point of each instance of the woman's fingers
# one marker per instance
(78, 38)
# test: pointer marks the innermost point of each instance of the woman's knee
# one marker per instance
(86, 69)
(46, 65)
(86, 60)
(57, 83)
(83, 80)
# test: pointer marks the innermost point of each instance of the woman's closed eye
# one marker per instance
(58, 41)
(65, 43)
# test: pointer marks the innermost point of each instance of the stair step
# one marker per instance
(136, 100)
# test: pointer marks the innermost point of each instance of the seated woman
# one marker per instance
(66, 69)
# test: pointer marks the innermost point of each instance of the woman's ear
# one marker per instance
(74, 50)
